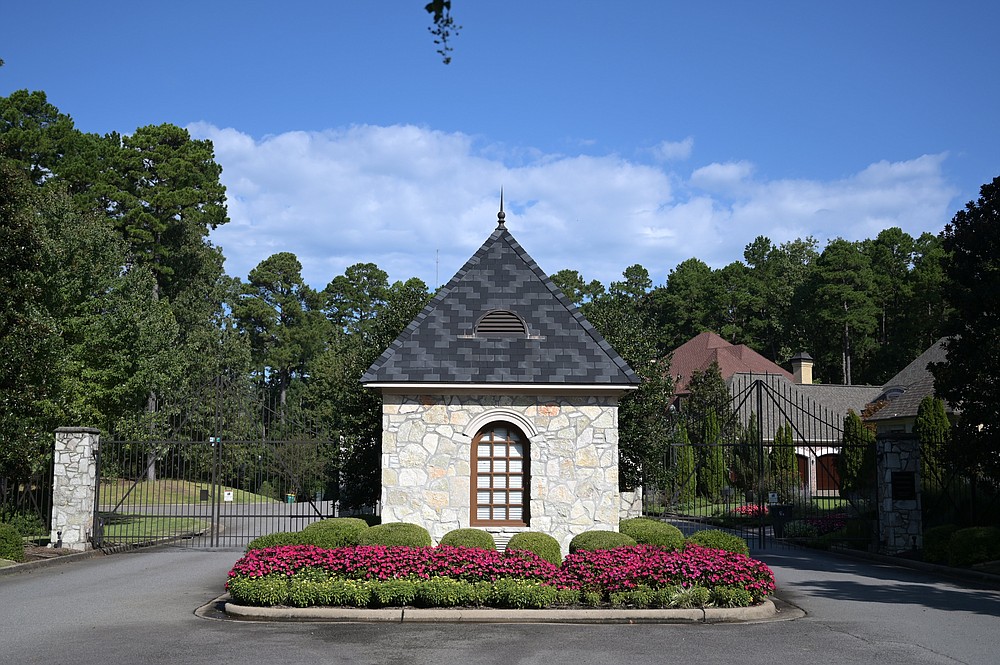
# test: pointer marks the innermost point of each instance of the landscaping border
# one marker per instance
(766, 611)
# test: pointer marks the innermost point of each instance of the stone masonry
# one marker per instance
(900, 520)
(74, 481)
(573, 447)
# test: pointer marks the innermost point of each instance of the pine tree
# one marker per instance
(933, 430)
(783, 465)
(685, 481)
(856, 462)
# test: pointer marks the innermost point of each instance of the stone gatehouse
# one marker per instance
(500, 406)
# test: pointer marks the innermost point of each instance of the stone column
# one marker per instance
(900, 521)
(74, 486)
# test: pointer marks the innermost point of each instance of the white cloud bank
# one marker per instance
(402, 196)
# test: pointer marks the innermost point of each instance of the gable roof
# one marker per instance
(907, 389)
(442, 346)
(697, 354)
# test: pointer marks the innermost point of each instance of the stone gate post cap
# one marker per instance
(77, 430)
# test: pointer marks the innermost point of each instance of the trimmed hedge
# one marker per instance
(936, 541)
(720, 540)
(276, 539)
(334, 532)
(477, 538)
(11, 545)
(646, 531)
(396, 533)
(600, 540)
(973, 545)
(542, 544)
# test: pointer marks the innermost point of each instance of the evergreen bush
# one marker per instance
(396, 534)
(542, 544)
(936, 540)
(11, 545)
(275, 539)
(720, 540)
(334, 532)
(646, 531)
(469, 538)
(600, 540)
(973, 545)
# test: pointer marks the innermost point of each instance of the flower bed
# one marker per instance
(750, 510)
(376, 576)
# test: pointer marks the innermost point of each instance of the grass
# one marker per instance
(167, 492)
(147, 529)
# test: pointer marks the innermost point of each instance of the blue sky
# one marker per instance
(633, 132)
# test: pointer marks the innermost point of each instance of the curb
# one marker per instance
(31, 566)
(965, 574)
(766, 611)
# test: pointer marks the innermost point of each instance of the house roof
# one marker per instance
(442, 345)
(698, 353)
(907, 389)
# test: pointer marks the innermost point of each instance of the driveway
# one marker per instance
(139, 607)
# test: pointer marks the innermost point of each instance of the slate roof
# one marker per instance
(911, 385)
(440, 344)
(697, 354)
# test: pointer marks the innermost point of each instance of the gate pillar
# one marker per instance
(899, 513)
(74, 486)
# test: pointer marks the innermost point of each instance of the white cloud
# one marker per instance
(668, 151)
(397, 196)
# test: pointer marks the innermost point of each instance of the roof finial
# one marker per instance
(501, 215)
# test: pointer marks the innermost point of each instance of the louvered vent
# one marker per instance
(501, 322)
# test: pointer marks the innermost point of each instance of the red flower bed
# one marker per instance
(378, 562)
(625, 568)
(750, 510)
(603, 571)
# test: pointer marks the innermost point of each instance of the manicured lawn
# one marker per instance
(134, 529)
(166, 492)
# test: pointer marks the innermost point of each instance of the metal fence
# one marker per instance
(217, 471)
(26, 501)
(765, 466)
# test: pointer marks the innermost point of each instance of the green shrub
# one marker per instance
(646, 531)
(726, 596)
(276, 539)
(541, 544)
(641, 598)
(396, 533)
(696, 596)
(720, 540)
(520, 594)
(267, 590)
(973, 545)
(449, 592)
(11, 545)
(936, 541)
(393, 593)
(469, 538)
(335, 532)
(29, 525)
(600, 540)
(591, 598)
(267, 489)
(800, 529)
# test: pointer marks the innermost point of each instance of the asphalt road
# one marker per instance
(138, 607)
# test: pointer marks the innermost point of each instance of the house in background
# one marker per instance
(775, 397)
(903, 393)
(500, 406)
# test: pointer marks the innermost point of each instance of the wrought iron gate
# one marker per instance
(765, 466)
(216, 474)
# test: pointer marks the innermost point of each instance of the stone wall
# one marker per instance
(573, 447)
(900, 521)
(74, 482)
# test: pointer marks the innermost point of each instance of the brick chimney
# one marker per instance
(802, 367)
